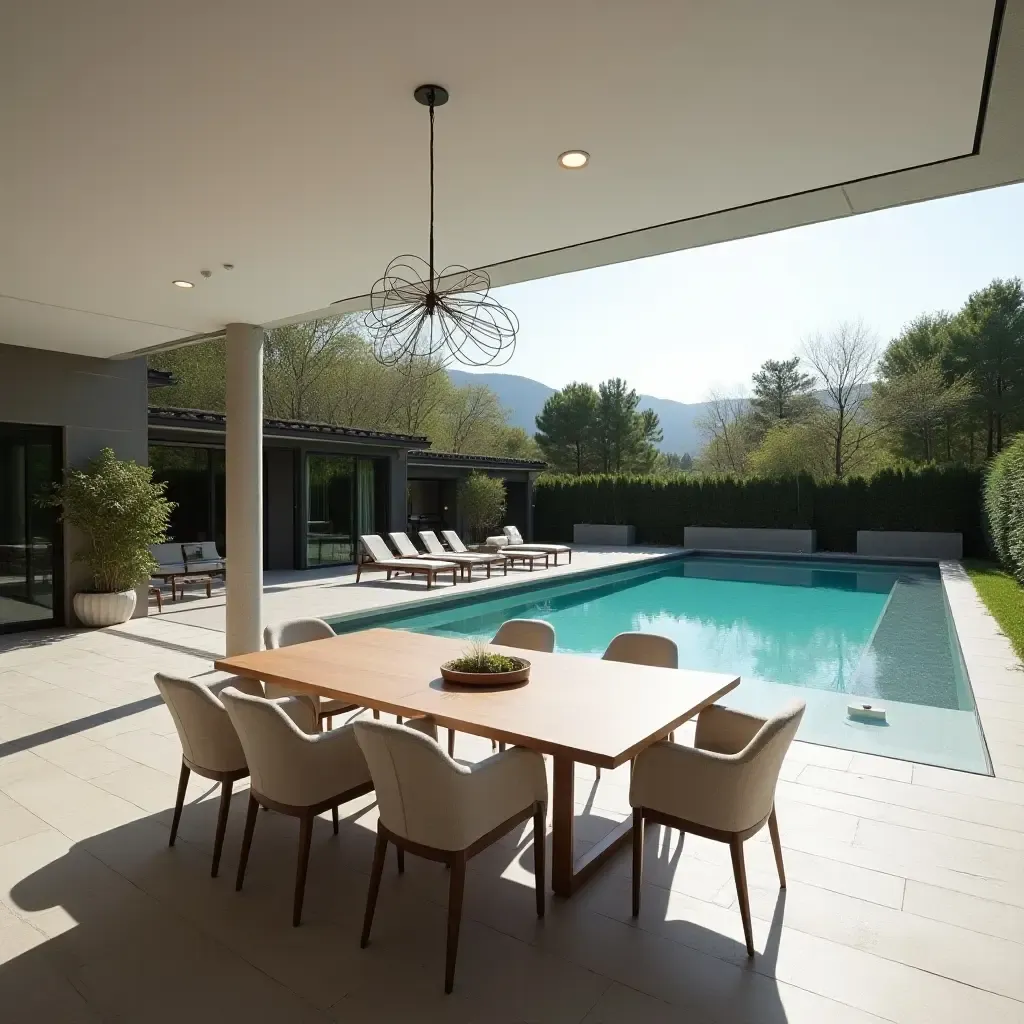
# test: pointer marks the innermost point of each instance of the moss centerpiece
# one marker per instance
(481, 667)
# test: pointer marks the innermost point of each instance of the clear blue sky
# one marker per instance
(679, 325)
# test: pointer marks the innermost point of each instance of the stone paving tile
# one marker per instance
(906, 899)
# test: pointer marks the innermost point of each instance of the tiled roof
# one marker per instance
(483, 460)
(201, 417)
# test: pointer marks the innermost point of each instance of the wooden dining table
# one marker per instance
(575, 708)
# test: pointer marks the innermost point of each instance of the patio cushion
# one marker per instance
(427, 797)
(168, 557)
(288, 765)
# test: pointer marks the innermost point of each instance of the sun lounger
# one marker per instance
(516, 543)
(524, 556)
(467, 559)
(385, 561)
(203, 558)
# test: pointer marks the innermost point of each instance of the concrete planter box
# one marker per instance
(603, 533)
(728, 538)
(910, 544)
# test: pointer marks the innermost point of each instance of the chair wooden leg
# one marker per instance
(501, 746)
(179, 800)
(305, 838)
(740, 871)
(400, 857)
(376, 714)
(638, 857)
(456, 888)
(334, 818)
(598, 774)
(250, 827)
(222, 824)
(451, 742)
(773, 829)
(379, 853)
(539, 829)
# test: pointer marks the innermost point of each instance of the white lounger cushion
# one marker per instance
(382, 556)
(515, 540)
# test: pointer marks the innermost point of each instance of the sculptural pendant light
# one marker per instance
(421, 316)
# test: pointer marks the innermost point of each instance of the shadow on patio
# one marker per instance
(138, 931)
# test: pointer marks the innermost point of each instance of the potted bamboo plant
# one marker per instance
(120, 512)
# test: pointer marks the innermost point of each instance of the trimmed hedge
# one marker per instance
(1004, 506)
(929, 499)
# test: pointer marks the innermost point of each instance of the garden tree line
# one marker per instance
(324, 371)
(583, 429)
(948, 389)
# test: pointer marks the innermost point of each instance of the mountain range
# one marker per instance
(524, 398)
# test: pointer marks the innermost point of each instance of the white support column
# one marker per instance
(243, 463)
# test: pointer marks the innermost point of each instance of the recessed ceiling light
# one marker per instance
(183, 284)
(574, 159)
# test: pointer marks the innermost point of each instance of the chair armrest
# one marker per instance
(726, 731)
(317, 766)
(719, 791)
(302, 710)
(493, 790)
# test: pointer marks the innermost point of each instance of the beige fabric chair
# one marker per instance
(721, 788)
(302, 631)
(209, 744)
(643, 649)
(436, 808)
(531, 635)
(293, 772)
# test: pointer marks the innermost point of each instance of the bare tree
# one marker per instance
(844, 360)
(471, 411)
(725, 427)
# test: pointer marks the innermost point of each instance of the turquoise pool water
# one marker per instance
(827, 632)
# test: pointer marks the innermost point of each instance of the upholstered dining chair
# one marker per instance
(722, 788)
(293, 772)
(209, 743)
(531, 635)
(302, 631)
(643, 649)
(435, 807)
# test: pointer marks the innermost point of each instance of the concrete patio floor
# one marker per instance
(905, 899)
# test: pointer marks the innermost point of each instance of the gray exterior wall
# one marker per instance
(98, 403)
(900, 544)
(738, 539)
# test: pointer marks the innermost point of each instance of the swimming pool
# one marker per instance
(827, 632)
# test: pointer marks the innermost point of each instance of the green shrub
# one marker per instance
(939, 499)
(482, 501)
(1004, 506)
(121, 512)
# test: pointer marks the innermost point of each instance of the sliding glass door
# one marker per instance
(330, 509)
(30, 552)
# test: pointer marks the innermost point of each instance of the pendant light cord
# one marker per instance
(431, 191)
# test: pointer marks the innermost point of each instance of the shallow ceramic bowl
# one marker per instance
(513, 678)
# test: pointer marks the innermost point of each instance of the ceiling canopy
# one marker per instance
(148, 142)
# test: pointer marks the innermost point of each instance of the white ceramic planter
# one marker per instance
(104, 609)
